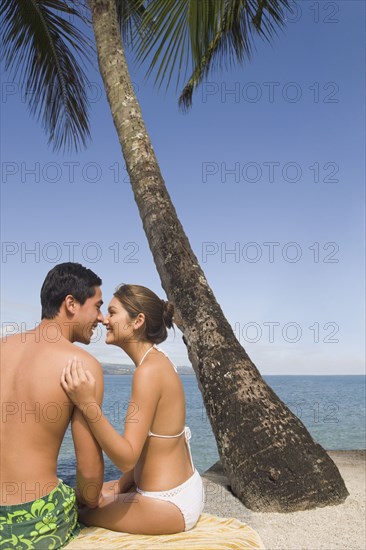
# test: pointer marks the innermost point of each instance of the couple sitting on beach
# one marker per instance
(46, 381)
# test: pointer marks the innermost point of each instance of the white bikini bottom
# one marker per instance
(188, 497)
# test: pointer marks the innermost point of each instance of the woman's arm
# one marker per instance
(123, 450)
(115, 445)
(121, 485)
(126, 481)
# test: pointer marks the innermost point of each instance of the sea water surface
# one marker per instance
(333, 408)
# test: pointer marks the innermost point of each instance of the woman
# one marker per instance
(160, 491)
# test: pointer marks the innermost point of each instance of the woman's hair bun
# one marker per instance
(168, 313)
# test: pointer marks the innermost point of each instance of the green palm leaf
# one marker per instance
(40, 47)
(130, 13)
(206, 33)
(45, 51)
(165, 37)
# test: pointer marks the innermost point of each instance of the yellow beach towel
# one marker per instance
(210, 533)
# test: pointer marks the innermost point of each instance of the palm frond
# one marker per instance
(165, 37)
(130, 13)
(207, 33)
(42, 50)
(234, 39)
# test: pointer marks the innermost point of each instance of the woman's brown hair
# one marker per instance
(158, 313)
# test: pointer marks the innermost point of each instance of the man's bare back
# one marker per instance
(36, 412)
(37, 509)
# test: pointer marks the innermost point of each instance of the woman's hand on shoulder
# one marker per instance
(79, 384)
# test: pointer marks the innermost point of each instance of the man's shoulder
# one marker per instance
(89, 361)
(66, 350)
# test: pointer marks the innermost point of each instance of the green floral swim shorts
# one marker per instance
(49, 522)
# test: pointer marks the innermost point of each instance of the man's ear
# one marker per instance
(70, 304)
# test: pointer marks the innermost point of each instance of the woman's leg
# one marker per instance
(134, 513)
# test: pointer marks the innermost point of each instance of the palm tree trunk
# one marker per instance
(271, 460)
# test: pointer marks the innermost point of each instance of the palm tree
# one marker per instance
(271, 460)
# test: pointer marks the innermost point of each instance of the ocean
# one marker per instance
(333, 408)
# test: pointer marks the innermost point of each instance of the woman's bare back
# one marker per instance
(164, 463)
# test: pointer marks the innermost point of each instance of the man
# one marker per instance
(37, 509)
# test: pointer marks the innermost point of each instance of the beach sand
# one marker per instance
(342, 526)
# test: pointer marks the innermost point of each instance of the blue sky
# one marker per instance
(267, 176)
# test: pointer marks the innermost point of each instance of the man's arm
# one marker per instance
(89, 457)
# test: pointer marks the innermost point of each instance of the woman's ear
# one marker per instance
(139, 321)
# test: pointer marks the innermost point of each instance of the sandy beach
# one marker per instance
(342, 526)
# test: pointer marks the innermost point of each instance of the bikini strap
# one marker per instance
(188, 436)
(166, 436)
(154, 346)
(143, 357)
(166, 355)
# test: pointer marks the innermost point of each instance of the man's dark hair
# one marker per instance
(64, 279)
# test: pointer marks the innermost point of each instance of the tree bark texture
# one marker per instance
(271, 460)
